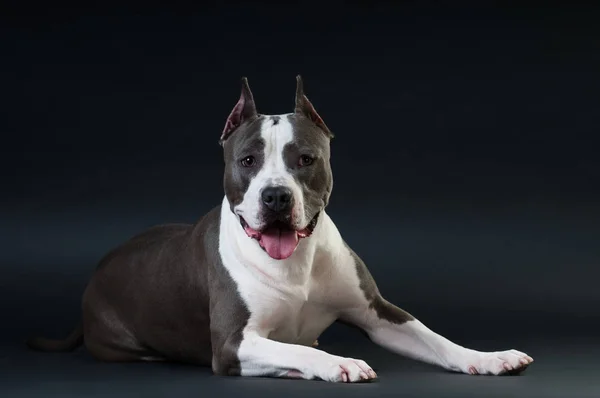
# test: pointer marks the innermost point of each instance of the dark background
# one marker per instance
(465, 160)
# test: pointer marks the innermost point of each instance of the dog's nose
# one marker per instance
(277, 199)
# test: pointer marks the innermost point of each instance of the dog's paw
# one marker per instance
(348, 370)
(500, 363)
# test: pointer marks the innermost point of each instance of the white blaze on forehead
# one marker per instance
(276, 132)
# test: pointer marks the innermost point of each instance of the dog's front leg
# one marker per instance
(260, 356)
(398, 331)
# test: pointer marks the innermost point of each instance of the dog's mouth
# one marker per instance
(279, 239)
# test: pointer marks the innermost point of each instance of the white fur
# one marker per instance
(415, 340)
(289, 306)
(292, 301)
(272, 173)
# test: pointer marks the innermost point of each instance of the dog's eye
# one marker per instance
(305, 160)
(248, 161)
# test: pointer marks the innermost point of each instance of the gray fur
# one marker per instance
(165, 295)
(245, 142)
(383, 308)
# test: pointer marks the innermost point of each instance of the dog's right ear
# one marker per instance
(244, 109)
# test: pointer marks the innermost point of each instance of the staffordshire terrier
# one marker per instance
(249, 288)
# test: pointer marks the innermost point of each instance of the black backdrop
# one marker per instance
(465, 162)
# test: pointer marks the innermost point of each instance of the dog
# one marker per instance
(250, 287)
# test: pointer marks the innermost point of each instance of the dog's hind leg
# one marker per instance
(116, 344)
(108, 338)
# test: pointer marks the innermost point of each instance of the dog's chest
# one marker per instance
(302, 325)
(292, 317)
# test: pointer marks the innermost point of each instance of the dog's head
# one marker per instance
(277, 172)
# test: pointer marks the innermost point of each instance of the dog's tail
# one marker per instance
(74, 340)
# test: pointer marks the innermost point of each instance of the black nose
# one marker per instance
(277, 199)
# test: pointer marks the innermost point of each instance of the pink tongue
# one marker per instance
(279, 244)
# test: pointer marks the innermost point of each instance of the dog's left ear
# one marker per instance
(244, 109)
(305, 108)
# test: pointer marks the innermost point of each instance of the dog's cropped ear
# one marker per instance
(244, 109)
(304, 107)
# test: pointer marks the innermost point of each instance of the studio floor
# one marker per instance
(565, 368)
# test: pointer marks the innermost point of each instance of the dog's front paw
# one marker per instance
(500, 363)
(348, 370)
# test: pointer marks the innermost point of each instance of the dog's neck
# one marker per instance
(245, 252)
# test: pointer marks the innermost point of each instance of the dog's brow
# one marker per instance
(250, 147)
(304, 149)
